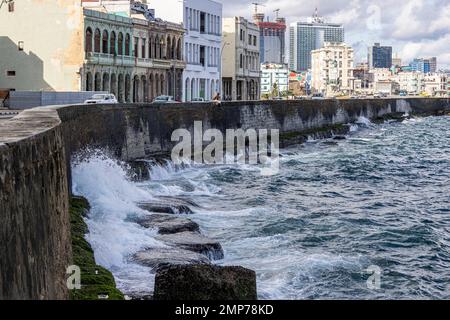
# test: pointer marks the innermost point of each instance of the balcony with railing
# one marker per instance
(109, 59)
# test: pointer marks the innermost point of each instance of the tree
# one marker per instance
(275, 90)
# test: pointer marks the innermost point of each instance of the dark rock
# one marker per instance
(164, 257)
(329, 143)
(160, 207)
(339, 138)
(205, 282)
(196, 242)
(179, 201)
(168, 224)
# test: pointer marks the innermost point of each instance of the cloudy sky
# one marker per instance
(415, 28)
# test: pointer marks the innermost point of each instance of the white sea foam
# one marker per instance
(364, 121)
(354, 128)
(113, 199)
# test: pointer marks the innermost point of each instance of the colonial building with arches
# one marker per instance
(135, 59)
(108, 46)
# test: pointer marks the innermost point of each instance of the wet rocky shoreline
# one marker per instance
(188, 254)
(184, 267)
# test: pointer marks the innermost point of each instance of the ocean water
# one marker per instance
(379, 200)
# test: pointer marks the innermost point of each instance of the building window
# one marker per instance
(105, 41)
(127, 45)
(179, 50)
(144, 43)
(202, 55)
(97, 37)
(202, 22)
(136, 47)
(120, 44)
(88, 40)
(150, 48)
(112, 43)
(11, 73)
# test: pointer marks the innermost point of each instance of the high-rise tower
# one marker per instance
(305, 37)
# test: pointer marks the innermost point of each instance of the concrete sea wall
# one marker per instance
(37, 146)
(140, 131)
(35, 243)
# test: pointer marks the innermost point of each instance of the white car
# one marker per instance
(103, 98)
(200, 99)
(164, 99)
(317, 96)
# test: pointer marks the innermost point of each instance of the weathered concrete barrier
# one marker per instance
(37, 146)
(35, 243)
(141, 131)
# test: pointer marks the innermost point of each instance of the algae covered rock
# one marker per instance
(96, 281)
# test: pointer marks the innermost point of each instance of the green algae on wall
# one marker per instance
(95, 280)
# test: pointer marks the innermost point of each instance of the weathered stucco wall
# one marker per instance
(52, 32)
(36, 148)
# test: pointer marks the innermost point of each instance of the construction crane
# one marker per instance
(277, 11)
(257, 4)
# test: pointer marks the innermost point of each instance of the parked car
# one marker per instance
(164, 99)
(103, 98)
(198, 100)
(403, 94)
(317, 96)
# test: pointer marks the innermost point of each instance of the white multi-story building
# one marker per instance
(411, 82)
(202, 20)
(332, 69)
(274, 76)
(380, 74)
(240, 59)
(435, 84)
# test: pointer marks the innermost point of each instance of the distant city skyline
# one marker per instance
(414, 28)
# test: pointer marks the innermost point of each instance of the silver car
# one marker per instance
(165, 99)
(103, 98)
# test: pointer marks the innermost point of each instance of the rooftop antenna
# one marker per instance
(316, 17)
